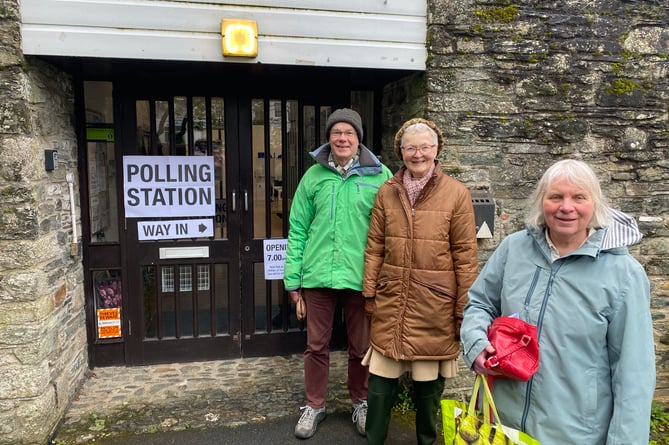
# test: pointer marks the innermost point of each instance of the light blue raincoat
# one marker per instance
(596, 374)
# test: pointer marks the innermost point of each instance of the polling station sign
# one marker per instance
(160, 186)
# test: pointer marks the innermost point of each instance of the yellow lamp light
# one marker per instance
(239, 38)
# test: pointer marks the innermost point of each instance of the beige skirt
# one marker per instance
(421, 370)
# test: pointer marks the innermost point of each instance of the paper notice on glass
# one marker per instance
(275, 258)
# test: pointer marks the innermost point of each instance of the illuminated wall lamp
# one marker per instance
(239, 38)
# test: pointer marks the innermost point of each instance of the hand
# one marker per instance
(300, 305)
(370, 307)
(479, 363)
(294, 295)
(301, 309)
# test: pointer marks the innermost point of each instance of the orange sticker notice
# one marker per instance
(109, 323)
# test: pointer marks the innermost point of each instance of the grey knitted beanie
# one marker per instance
(344, 115)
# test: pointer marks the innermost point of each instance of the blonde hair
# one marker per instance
(578, 173)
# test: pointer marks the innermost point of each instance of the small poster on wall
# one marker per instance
(109, 323)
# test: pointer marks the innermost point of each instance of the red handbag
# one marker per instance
(516, 348)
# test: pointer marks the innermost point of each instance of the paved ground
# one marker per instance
(336, 429)
(254, 400)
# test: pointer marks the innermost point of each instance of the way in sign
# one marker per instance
(173, 229)
(163, 230)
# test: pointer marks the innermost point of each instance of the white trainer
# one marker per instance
(359, 416)
(309, 420)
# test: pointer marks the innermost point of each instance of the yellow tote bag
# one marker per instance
(464, 425)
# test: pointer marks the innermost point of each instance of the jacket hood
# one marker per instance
(622, 232)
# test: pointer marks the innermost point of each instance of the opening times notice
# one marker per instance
(275, 258)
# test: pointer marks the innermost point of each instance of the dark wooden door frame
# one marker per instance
(240, 251)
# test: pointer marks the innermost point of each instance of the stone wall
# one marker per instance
(516, 86)
(42, 322)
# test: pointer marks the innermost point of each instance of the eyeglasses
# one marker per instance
(423, 149)
(339, 133)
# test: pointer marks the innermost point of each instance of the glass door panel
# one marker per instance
(218, 151)
(221, 313)
(275, 169)
(163, 140)
(258, 156)
(273, 311)
(143, 127)
(150, 306)
(101, 163)
(181, 306)
(290, 161)
(185, 307)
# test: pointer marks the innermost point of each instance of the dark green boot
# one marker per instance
(381, 394)
(426, 398)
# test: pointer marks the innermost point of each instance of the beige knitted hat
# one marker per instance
(417, 120)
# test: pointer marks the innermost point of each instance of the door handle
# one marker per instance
(234, 201)
(246, 200)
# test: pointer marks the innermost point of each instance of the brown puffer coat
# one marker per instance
(419, 265)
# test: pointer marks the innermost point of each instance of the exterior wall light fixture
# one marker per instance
(239, 38)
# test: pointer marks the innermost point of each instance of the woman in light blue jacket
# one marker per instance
(570, 274)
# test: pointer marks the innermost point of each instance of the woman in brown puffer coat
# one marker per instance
(420, 260)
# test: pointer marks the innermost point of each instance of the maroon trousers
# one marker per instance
(321, 305)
